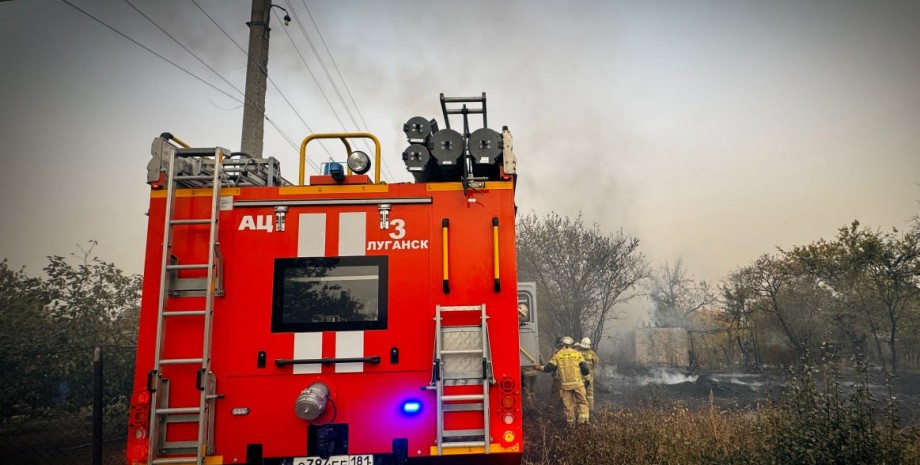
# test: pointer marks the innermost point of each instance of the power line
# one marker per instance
(338, 72)
(284, 97)
(200, 60)
(270, 80)
(334, 64)
(304, 60)
(221, 28)
(335, 87)
(151, 51)
(113, 29)
(313, 75)
(148, 18)
(326, 70)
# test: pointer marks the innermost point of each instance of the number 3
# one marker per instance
(400, 226)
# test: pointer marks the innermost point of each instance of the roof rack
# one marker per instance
(195, 167)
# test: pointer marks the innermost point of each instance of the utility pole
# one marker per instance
(256, 75)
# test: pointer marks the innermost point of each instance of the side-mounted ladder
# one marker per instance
(463, 357)
(180, 448)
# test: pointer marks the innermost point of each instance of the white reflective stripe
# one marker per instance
(311, 236)
(308, 345)
(352, 232)
(349, 344)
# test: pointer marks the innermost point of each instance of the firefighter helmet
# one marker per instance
(567, 341)
(586, 343)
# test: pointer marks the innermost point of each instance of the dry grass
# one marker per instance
(675, 434)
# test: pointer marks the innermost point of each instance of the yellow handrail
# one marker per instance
(495, 255)
(344, 136)
(169, 137)
(445, 255)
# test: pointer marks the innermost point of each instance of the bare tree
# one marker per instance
(676, 295)
(581, 273)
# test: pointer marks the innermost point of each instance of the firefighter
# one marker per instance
(555, 391)
(571, 369)
(528, 379)
(593, 362)
(528, 373)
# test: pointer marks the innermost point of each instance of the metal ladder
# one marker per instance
(462, 357)
(162, 414)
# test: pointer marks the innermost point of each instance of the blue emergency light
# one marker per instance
(334, 169)
(411, 407)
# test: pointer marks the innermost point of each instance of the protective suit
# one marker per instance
(570, 368)
(593, 362)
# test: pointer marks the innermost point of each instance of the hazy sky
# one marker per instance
(712, 130)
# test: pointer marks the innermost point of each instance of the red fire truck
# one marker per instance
(337, 321)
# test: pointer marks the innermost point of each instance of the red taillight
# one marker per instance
(138, 425)
(507, 384)
(137, 451)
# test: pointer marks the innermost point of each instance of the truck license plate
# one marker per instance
(336, 460)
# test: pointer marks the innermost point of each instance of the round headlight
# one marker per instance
(359, 162)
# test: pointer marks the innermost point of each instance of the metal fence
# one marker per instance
(60, 425)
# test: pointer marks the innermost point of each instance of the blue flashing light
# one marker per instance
(411, 407)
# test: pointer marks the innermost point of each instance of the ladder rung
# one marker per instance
(467, 308)
(462, 407)
(461, 433)
(185, 313)
(196, 177)
(193, 266)
(461, 352)
(191, 221)
(464, 444)
(459, 397)
(180, 445)
(182, 418)
(178, 410)
(181, 361)
(174, 460)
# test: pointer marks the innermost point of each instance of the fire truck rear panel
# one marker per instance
(252, 329)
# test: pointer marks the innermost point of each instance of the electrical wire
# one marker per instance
(248, 102)
(270, 80)
(304, 60)
(315, 80)
(334, 64)
(151, 51)
(151, 21)
(209, 84)
(312, 74)
(303, 31)
(338, 72)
